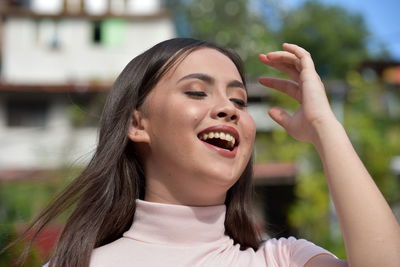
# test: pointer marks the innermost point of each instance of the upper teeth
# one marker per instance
(224, 136)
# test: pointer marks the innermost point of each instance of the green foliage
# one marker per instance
(8, 233)
(230, 24)
(335, 37)
(373, 131)
(23, 200)
(277, 146)
(20, 202)
(311, 212)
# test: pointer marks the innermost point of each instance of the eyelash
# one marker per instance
(200, 94)
(196, 93)
(239, 102)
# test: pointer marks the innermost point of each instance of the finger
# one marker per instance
(280, 116)
(288, 69)
(293, 74)
(301, 53)
(285, 57)
(285, 86)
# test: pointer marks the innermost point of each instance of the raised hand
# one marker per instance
(306, 87)
(370, 230)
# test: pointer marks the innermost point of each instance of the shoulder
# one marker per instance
(110, 254)
(290, 251)
(106, 255)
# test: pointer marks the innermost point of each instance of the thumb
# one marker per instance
(280, 116)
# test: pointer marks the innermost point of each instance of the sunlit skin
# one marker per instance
(203, 90)
(370, 230)
(180, 169)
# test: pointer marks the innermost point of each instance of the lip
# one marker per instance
(226, 129)
(221, 151)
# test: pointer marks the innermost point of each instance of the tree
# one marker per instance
(336, 38)
(227, 23)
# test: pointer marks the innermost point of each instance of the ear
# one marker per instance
(137, 130)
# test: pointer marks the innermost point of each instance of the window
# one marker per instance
(18, 3)
(96, 33)
(109, 32)
(26, 113)
(48, 34)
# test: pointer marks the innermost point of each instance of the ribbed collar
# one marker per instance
(177, 225)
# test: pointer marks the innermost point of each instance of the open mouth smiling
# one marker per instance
(220, 136)
(219, 139)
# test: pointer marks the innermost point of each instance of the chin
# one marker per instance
(225, 178)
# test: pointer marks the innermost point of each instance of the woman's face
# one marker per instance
(198, 134)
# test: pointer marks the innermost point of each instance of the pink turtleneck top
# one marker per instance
(175, 235)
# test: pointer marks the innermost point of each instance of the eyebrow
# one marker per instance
(210, 80)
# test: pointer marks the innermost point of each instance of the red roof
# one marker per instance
(54, 88)
(20, 174)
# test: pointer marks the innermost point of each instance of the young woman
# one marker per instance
(170, 181)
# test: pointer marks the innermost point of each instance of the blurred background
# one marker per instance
(59, 58)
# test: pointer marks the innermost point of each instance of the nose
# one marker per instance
(225, 110)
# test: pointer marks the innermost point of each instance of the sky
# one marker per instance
(380, 17)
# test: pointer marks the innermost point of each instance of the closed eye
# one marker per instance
(239, 102)
(196, 94)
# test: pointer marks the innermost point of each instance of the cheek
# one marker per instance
(177, 118)
(194, 113)
(249, 129)
(189, 114)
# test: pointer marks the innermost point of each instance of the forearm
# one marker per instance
(371, 232)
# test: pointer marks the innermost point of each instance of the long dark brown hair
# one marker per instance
(103, 195)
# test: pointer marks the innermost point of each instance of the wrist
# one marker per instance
(326, 130)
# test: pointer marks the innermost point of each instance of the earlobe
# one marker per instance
(137, 131)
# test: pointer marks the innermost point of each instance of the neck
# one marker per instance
(202, 195)
(177, 225)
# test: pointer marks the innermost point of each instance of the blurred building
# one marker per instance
(57, 59)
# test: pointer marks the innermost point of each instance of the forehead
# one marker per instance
(208, 61)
